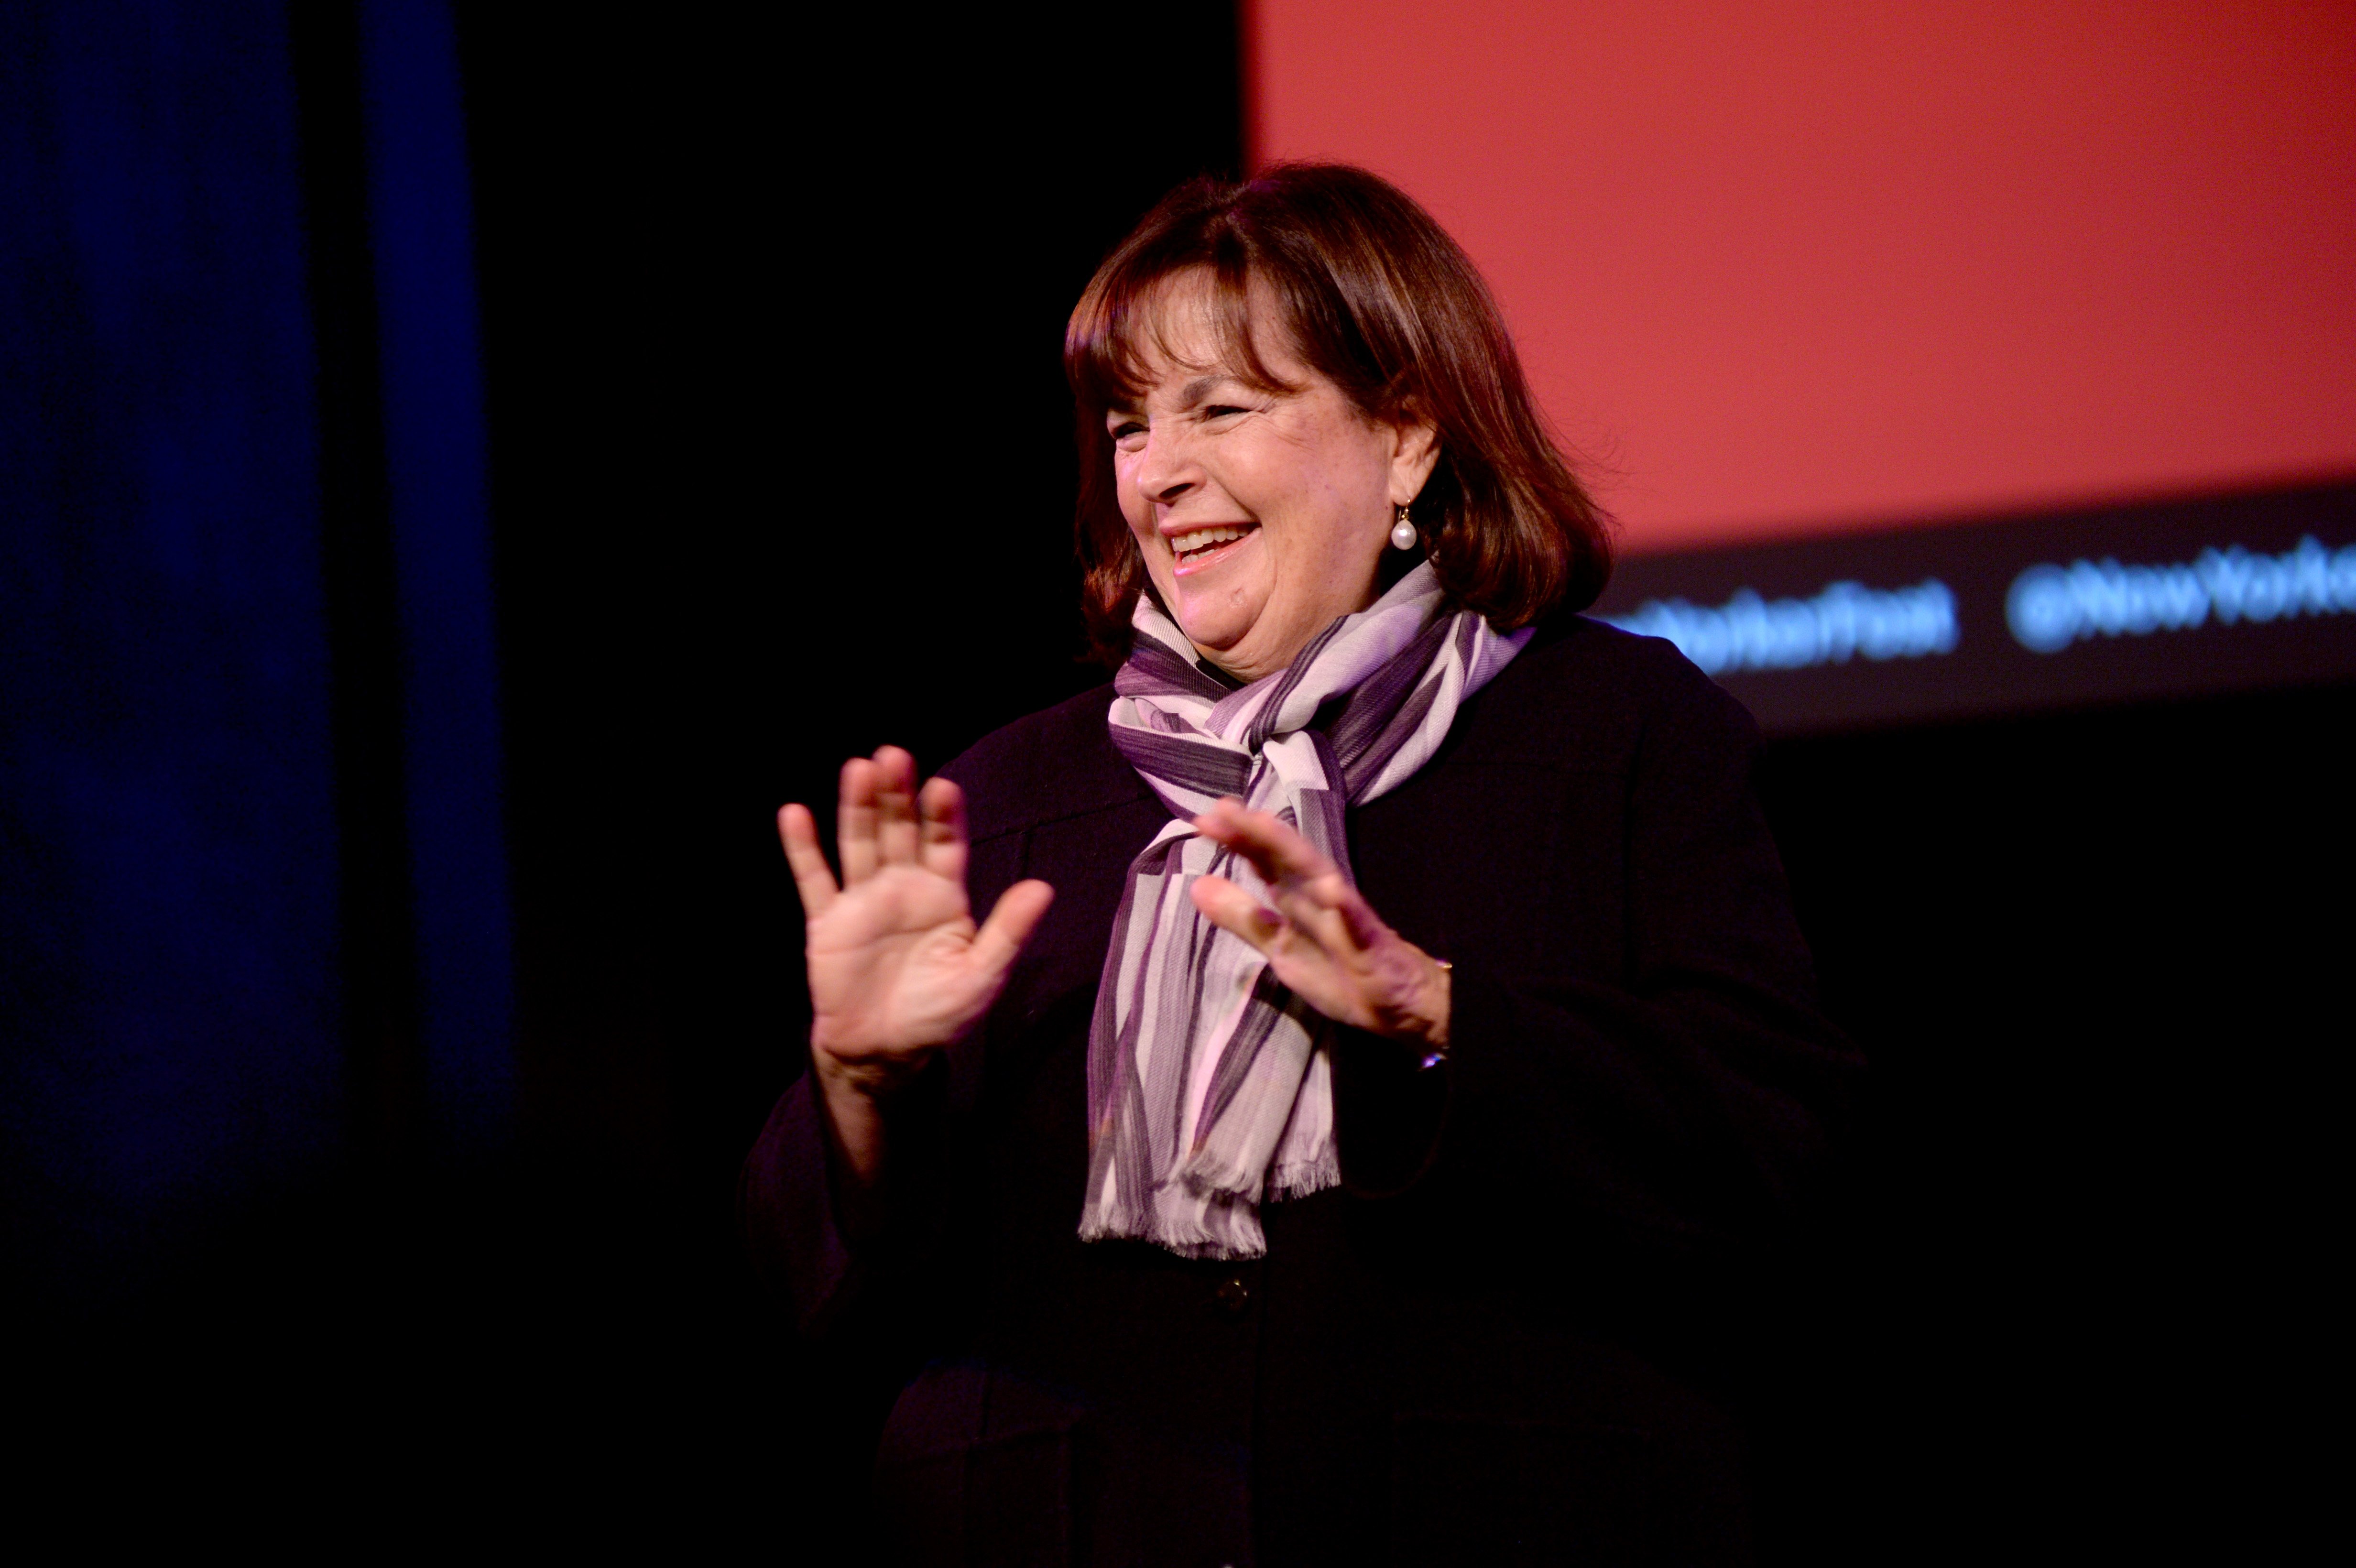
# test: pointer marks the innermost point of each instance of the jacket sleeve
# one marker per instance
(835, 1286)
(1681, 1105)
(785, 1207)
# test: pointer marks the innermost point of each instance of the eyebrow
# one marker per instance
(1189, 395)
(1193, 392)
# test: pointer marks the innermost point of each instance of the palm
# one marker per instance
(892, 963)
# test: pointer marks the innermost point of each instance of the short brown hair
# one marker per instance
(1378, 299)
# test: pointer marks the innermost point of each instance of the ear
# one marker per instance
(1415, 452)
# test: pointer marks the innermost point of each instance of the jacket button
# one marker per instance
(1234, 1296)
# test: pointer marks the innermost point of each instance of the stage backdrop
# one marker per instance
(1789, 274)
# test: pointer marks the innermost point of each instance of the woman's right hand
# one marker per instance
(897, 969)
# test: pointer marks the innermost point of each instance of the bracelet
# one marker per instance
(1437, 1055)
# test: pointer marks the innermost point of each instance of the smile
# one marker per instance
(1199, 548)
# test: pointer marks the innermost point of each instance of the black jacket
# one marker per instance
(1515, 1332)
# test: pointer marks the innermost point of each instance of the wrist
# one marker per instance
(873, 1078)
(1418, 1016)
(1437, 1005)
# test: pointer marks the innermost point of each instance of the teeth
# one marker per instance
(1203, 538)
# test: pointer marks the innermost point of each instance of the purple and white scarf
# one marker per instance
(1210, 1084)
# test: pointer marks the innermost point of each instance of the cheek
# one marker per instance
(1315, 477)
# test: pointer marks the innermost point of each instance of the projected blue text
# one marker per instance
(1845, 620)
(2049, 607)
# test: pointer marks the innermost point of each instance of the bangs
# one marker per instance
(1123, 324)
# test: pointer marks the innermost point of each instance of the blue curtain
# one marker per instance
(422, 242)
(174, 1038)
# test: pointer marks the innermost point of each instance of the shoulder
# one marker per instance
(1575, 650)
(1046, 766)
(1583, 693)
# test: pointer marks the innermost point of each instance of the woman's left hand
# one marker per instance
(1321, 937)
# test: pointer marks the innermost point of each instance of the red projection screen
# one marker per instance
(2050, 304)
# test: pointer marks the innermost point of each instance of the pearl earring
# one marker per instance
(1402, 532)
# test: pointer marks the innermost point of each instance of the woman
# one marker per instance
(1344, 1137)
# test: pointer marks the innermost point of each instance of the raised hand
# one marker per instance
(1321, 938)
(897, 967)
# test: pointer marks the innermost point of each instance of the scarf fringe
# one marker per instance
(1299, 1181)
(1192, 1240)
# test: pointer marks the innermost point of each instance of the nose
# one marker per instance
(1168, 470)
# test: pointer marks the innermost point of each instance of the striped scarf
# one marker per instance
(1209, 1081)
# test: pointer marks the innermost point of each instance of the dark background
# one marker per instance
(780, 470)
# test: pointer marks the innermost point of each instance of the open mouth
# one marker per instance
(1199, 548)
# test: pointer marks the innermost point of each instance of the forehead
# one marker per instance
(1187, 331)
(1181, 322)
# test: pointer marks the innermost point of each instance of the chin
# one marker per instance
(1219, 649)
(1214, 628)
(1216, 634)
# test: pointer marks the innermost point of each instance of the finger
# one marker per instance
(854, 836)
(1303, 882)
(798, 830)
(1365, 928)
(895, 806)
(1329, 910)
(1311, 924)
(1009, 924)
(1234, 910)
(1277, 852)
(940, 810)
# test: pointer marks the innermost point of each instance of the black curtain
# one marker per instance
(782, 471)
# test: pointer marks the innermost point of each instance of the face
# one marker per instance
(1262, 515)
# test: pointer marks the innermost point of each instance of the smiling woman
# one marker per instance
(1204, 1211)
(1328, 300)
(1259, 496)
